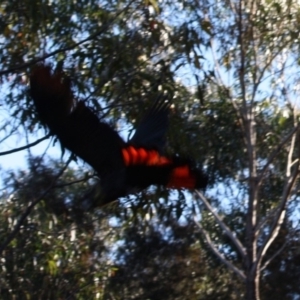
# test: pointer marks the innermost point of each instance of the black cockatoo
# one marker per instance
(123, 167)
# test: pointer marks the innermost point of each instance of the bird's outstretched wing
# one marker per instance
(75, 125)
(151, 131)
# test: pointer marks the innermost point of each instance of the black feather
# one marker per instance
(151, 131)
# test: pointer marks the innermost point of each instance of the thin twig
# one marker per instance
(73, 182)
(218, 254)
(25, 147)
(276, 151)
(273, 256)
(8, 136)
(226, 229)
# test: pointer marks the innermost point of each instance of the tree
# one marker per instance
(256, 60)
(233, 68)
(164, 259)
(51, 256)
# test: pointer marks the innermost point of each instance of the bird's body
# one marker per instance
(122, 167)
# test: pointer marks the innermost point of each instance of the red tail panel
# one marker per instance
(181, 177)
(141, 156)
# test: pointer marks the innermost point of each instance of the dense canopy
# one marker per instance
(232, 68)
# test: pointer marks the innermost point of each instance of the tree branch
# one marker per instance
(276, 151)
(73, 182)
(281, 211)
(227, 231)
(25, 147)
(218, 254)
(273, 256)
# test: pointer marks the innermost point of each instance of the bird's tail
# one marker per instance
(149, 167)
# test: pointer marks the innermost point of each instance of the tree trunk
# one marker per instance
(252, 286)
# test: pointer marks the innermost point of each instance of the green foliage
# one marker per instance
(232, 70)
(166, 262)
(52, 256)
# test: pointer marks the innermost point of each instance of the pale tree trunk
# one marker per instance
(251, 65)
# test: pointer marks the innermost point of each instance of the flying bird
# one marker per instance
(123, 167)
